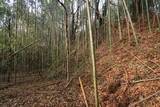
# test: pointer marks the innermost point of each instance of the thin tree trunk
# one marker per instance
(148, 19)
(109, 25)
(92, 56)
(129, 17)
(66, 37)
(119, 23)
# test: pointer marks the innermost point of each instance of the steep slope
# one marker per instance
(130, 73)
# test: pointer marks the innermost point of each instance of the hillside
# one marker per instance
(127, 75)
(79, 53)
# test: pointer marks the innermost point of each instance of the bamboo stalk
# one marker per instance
(128, 31)
(148, 20)
(155, 3)
(83, 92)
(109, 24)
(119, 24)
(92, 56)
(142, 12)
(130, 20)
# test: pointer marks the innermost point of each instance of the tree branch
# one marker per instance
(144, 99)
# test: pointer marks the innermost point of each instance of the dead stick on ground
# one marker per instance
(144, 80)
(69, 82)
(150, 96)
(140, 60)
(83, 92)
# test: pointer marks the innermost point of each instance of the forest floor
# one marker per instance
(129, 75)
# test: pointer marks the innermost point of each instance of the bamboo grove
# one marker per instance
(52, 38)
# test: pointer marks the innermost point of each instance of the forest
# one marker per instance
(79, 53)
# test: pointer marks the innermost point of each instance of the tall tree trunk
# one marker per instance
(9, 61)
(109, 25)
(66, 36)
(119, 23)
(148, 19)
(129, 18)
(92, 56)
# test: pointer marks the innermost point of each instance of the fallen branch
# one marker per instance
(23, 48)
(83, 92)
(69, 83)
(139, 60)
(144, 80)
(150, 96)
